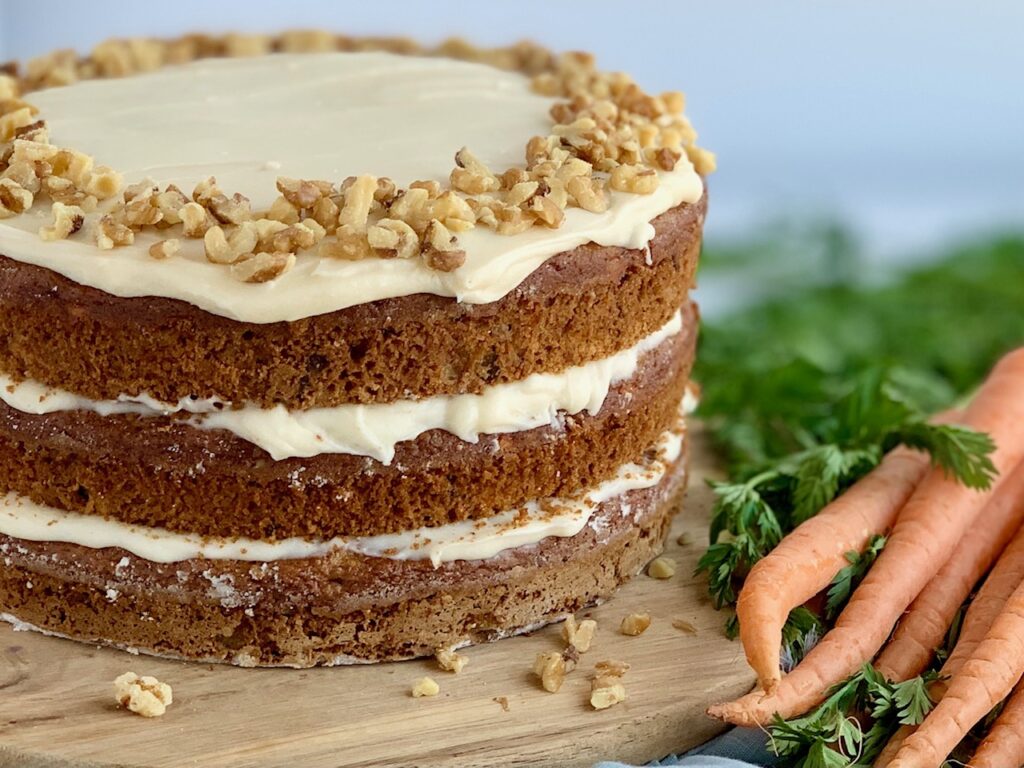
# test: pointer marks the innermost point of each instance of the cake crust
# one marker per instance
(340, 608)
(579, 306)
(159, 472)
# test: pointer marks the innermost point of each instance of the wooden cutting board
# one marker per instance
(57, 708)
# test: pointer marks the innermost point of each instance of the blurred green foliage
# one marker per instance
(774, 371)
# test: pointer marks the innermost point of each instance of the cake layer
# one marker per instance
(336, 609)
(525, 525)
(163, 473)
(373, 429)
(579, 306)
(247, 121)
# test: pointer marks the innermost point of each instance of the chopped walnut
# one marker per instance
(393, 238)
(223, 249)
(103, 183)
(588, 193)
(195, 219)
(67, 219)
(633, 178)
(580, 636)
(704, 162)
(64, 191)
(170, 202)
(25, 174)
(238, 45)
(302, 193)
(472, 176)
(263, 267)
(449, 660)
(425, 686)
(684, 626)
(605, 693)
(348, 244)
(551, 668)
(440, 250)
(635, 624)
(282, 210)
(14, 198)
(144, 696)
(359, 198)
(164, 249)
(111, 233)
(230, 210)
(661, 568)
(12, 121)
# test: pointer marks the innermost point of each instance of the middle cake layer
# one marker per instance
(162, 472)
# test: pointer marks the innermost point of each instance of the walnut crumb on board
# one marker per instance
(606, 688)
(579, 635)
(449, 660)
(425, 686)
(144, 696)
(502, 701)
(684, 626)
(635, 624)
(661, 568)
(551, 668)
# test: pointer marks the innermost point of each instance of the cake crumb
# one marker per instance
(144, 696)
(661, 568)
(551, 668)
(502, 701)
(683, 540)
(635, 624)
(579, 635)
(449, 660)
(425, 686)
(684, 626)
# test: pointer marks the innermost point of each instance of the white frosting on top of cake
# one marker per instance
(467, 540)
(320, 116)
(375, 429)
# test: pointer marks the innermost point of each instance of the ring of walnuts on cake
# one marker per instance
(606, 134)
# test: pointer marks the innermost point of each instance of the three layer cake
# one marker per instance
(282, 384)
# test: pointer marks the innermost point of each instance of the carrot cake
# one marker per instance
(323, 350)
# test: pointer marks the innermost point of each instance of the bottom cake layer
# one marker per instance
(339, 608)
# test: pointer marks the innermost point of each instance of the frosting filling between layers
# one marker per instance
(21, 518)
(248, 121)
(375, 429)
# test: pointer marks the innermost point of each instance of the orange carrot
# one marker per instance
(922, 628)
(1005, 577)
(927, 531)
(1004, 744)
(985, 679)
(804, 562)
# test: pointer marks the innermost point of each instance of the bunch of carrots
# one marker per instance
(943, 538)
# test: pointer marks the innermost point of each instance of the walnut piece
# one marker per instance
(67, 219)
(425, 686)
(263, 267)
(684, 626)
(551, 668)
(165, 248)
(661, 568)
(144, 696)
(14, 198)
(449, 660)
(580, 636)
(605, 693)
(440, 250)
(110, 233)
(635, 624)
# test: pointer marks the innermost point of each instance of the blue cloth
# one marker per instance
(738, 748)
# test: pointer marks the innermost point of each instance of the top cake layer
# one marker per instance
(249, 121)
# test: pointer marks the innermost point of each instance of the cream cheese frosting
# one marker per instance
(21, 518)
(375, 429)
(329, 115)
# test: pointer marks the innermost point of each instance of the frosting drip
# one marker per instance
(331, 115)
(468, 540)
(375, 429)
